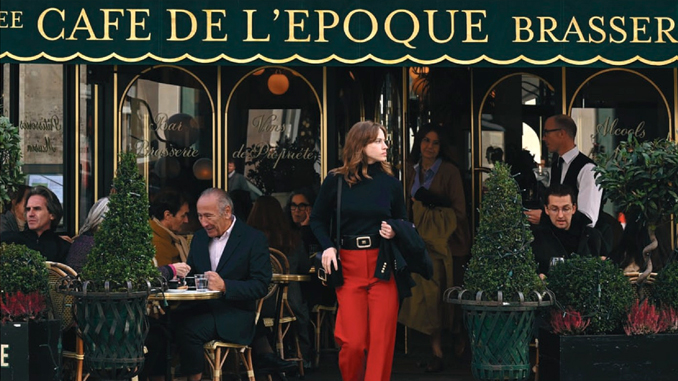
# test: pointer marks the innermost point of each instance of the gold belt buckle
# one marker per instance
(363, 242)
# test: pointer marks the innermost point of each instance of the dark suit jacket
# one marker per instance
(245, 267)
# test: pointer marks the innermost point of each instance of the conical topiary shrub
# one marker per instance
(501, 256)
(502, 288)
(123, 250)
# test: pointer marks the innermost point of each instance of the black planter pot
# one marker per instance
(31, 351)
(113, 327)
(607, 357)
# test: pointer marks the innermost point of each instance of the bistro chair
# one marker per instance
(216, 352)
(62, 307)
(325, 314)
(285, 315)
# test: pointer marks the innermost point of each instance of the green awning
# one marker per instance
(368, 32)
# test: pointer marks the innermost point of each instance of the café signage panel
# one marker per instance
(397, 32)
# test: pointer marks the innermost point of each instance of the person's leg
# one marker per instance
(302, 325)
(383, 319)
(351, 328)
(436, 343)
(194, 329)
(155, 365)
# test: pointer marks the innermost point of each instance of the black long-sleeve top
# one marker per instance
(363, 205)
(49, 244)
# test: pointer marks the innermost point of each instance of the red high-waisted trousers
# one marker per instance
(367, 316)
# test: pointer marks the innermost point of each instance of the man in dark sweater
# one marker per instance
(565, 232)
(43, 213)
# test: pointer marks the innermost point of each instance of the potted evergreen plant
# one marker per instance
(10, 160)
(114, 285)
(601, 331)
(30, 340)
(642, 177)
(501, 287)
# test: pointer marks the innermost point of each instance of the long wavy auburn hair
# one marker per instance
(358, 137)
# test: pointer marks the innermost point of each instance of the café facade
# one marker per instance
(273, 86)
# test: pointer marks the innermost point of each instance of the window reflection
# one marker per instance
(167, 120)
(614, 104)
(87, 143)
(41, 126)
(511, 121)
(388, 113)
(610, 106)
(273, 135)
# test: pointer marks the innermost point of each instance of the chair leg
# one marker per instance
(250, 365)
(79, 350)
(216, 366)
(318, 321)
(300, 356)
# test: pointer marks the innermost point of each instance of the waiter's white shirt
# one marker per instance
(590, 194)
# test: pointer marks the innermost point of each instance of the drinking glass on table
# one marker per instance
(200, 282)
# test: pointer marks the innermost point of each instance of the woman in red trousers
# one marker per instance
(368, 300)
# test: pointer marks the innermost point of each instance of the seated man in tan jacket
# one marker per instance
(169, 211)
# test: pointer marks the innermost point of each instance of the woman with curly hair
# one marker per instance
(368, 299)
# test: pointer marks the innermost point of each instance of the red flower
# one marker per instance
(569, 322)
(23, 307)
(643, 319)
(669, 319)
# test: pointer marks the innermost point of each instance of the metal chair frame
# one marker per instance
(62, 306)
(286, 316)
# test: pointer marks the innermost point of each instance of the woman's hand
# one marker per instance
(329, 259)
(182, 269)
(386, 230)
(307, 220)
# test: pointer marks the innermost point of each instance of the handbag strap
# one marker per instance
(338, 222)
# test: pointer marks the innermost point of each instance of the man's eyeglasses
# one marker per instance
(300, 207)
(546, 132)
(564, 209)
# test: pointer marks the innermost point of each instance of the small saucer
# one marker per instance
(178, 290)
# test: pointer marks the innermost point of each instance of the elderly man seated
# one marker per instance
(565, 232)
(235, 260)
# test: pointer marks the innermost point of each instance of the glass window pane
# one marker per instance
(41, 116)
(88, 145)
(167, 121)
(273, 135)
(512, 119)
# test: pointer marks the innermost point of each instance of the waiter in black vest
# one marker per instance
(570, 167)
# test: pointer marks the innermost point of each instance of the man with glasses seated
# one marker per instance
(565, 232)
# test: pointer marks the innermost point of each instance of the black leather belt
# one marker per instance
(360, 242)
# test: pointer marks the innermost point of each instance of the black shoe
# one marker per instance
(435, 365)
(269, 362)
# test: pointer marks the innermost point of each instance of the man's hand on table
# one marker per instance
(214, 282)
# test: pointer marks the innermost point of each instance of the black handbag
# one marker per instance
(336, 277)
